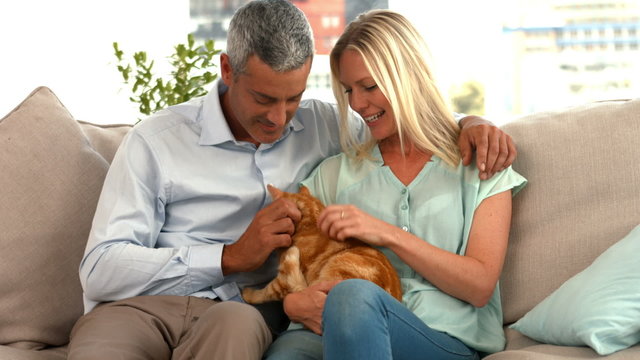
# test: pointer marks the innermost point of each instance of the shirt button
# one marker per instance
(404, 191)
(404, 207)
(405, 228)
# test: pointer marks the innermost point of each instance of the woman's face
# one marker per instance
(365, 97)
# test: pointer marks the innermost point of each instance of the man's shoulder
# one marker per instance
(315, 107)
(169, 118)
(156, 123)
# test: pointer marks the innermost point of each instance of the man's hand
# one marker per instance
(495, 150)
(270, 229)
(306, 306)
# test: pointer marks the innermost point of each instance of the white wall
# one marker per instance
(66, 45)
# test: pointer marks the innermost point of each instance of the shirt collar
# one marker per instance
(377, 155)
(215, 129)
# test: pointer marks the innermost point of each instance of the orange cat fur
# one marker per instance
(314, 257)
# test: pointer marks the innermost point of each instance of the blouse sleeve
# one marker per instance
(508, 179)
(322, 182)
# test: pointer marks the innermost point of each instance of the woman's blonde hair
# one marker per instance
(396, 56)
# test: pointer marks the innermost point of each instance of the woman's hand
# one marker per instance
(341, 222)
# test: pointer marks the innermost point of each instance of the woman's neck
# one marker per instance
(405, 165)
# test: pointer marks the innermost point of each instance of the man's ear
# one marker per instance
(274, 191)
(226, 72)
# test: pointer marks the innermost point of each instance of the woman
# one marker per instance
(443, 228)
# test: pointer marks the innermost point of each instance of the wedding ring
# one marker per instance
(342, 215)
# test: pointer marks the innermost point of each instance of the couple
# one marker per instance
(184, 221)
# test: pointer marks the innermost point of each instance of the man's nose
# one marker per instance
(278, 113)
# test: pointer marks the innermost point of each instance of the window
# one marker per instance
(71, 52)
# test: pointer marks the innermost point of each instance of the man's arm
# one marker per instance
(306, 306)
(495, 150)
(121, 260)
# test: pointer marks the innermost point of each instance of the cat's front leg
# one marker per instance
(290, 279)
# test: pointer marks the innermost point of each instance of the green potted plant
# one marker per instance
(189, 78)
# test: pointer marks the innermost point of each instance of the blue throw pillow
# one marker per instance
(598, 307)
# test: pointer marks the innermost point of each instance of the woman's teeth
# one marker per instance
(373, 117)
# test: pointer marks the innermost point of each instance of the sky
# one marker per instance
(67, 46)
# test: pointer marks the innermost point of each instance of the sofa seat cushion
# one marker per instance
(555, 352)
(520, 347)
(51, 179)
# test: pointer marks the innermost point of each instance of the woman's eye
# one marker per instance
(347, 91)
(372, 87)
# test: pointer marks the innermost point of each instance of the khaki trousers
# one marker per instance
(170, 327)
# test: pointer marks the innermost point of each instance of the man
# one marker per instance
(184, 221)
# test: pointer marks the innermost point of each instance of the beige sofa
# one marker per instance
(583, 196)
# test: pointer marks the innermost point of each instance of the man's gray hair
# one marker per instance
(274, 30)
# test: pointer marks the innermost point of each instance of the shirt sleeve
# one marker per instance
(458, 116)
(120, 259)
(508, 179)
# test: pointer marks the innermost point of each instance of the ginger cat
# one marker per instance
(314, 257)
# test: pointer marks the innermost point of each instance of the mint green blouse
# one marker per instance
(437, 206)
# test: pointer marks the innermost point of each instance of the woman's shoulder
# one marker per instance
(470, 174)
(332, 163)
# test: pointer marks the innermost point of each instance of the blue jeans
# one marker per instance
(362, 321)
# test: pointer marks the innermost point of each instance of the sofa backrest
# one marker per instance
(52, 168)
(105, 139)
(583, 195)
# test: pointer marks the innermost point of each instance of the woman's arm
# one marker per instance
(471, 277)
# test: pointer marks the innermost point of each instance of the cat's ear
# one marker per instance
(304, 190)
(274, 191)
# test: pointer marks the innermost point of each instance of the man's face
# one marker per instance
(260, 102)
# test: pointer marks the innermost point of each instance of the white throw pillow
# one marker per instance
(598, 307)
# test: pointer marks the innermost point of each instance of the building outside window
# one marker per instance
(532, 55)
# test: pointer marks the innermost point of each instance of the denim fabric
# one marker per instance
(362, 321)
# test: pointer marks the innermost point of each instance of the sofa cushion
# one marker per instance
(51, 178)
(105, 139)
(520, 347)
(598, 307)
(582, 195)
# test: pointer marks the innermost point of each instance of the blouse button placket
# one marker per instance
(404, 207)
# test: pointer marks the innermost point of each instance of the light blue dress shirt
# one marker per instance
(438, 207)
(181, 187)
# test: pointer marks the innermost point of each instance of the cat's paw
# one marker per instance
(250, 295)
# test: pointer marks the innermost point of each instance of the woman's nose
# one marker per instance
(357, 101)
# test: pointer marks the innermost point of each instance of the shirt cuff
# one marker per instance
(205, 265)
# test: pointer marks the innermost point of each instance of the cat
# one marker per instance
(314, 257)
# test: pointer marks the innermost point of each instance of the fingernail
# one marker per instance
(482, 167)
